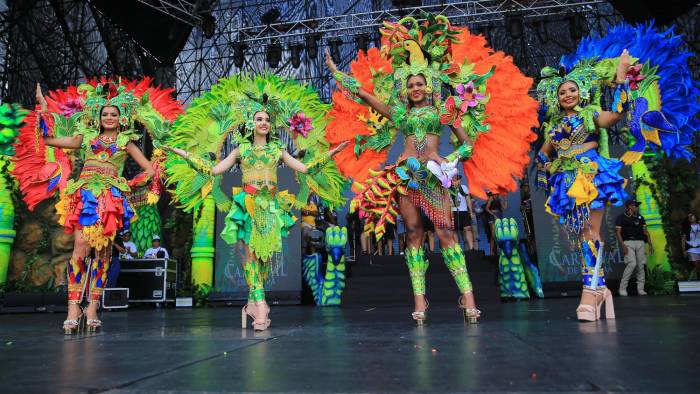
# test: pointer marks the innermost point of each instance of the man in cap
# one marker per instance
(632, 235)
(156, 251)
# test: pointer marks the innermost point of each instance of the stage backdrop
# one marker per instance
(559, 262)
(284, 286)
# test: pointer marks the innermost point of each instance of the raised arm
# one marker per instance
(606, 119)
(367, 97)
(140, 159)
(61, 142)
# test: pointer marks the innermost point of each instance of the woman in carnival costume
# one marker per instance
(249, 113)
(96, 121)
(574, 165)
(398, 88)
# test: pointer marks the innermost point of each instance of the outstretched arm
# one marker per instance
(298, 166)
(366, 96)
(218, 169)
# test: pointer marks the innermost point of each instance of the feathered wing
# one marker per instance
(665, 106)
(215, 119)
(352, 121)
(42, 171)
(501, 154)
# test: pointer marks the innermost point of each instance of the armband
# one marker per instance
(621, 98)
(542, 158)
(199, 164)
(463, 152)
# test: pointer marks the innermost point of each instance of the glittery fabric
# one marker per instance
(456, 263)
(435, 203)
(417, 266)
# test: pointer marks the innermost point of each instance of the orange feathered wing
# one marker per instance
(501, 154)
(345, 118)
(42, 171)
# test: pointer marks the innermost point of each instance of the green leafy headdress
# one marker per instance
(107, 94)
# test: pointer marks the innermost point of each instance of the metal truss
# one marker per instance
(183, 10)
(465, 12)
(239, 28)
(58, 43)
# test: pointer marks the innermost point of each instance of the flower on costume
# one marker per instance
(412, 171)
(469, 96)
(70, 107)
(300, 124)
(634, 75)
(453, 114)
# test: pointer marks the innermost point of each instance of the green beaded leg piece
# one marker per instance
(512, 280)
(417, 266)
(254, 277)
(455, 262)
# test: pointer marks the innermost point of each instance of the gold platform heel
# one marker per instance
(74, 326)
(471, 315)
(421, 316)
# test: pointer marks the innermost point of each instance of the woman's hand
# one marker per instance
(338, 148)
(329, 62)
(623, 66)
(177, 151)
(40, 98)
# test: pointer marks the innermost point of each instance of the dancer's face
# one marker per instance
(262, 122)
(568, 95)
(109, 118)
(415, 86)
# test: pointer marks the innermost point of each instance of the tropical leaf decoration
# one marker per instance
(223, 117)
(489, 99)
(43, 171)
(663, 113)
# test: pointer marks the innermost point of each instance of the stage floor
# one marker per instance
(529, 346)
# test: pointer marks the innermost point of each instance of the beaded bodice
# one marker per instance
(259, 164)
(569, 135)
(420, 121)
(104, 158)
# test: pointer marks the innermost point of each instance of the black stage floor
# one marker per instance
(364, 346)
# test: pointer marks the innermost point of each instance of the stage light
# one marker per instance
(295, 55)
(362, 41)
(208, 25)
(274, 54)
(335, 44)
(270, 16)
(239, 54)
(578, 26)
(312, 46)
(514, 26)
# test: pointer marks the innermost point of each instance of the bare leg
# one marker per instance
(469, 237)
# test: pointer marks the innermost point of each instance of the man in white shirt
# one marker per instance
(463, 210)
(128, 250)
(156, 251)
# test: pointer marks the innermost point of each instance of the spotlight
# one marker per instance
(274, 54)
(270, 16)
(335, 49)
(295, 50)
(239, 54)
(362, 42)
(312, 46)
(514, 25)
(208, 25)
(578, 26)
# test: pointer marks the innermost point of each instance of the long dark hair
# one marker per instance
(685, 226)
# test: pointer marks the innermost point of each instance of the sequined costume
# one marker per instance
(488, 101)
(658, 98)
(258, 214)
(95, 204)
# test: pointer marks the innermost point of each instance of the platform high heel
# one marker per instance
(470, 315)
(421, 316)
(74, 326)
(586, 312)
(264, 323)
